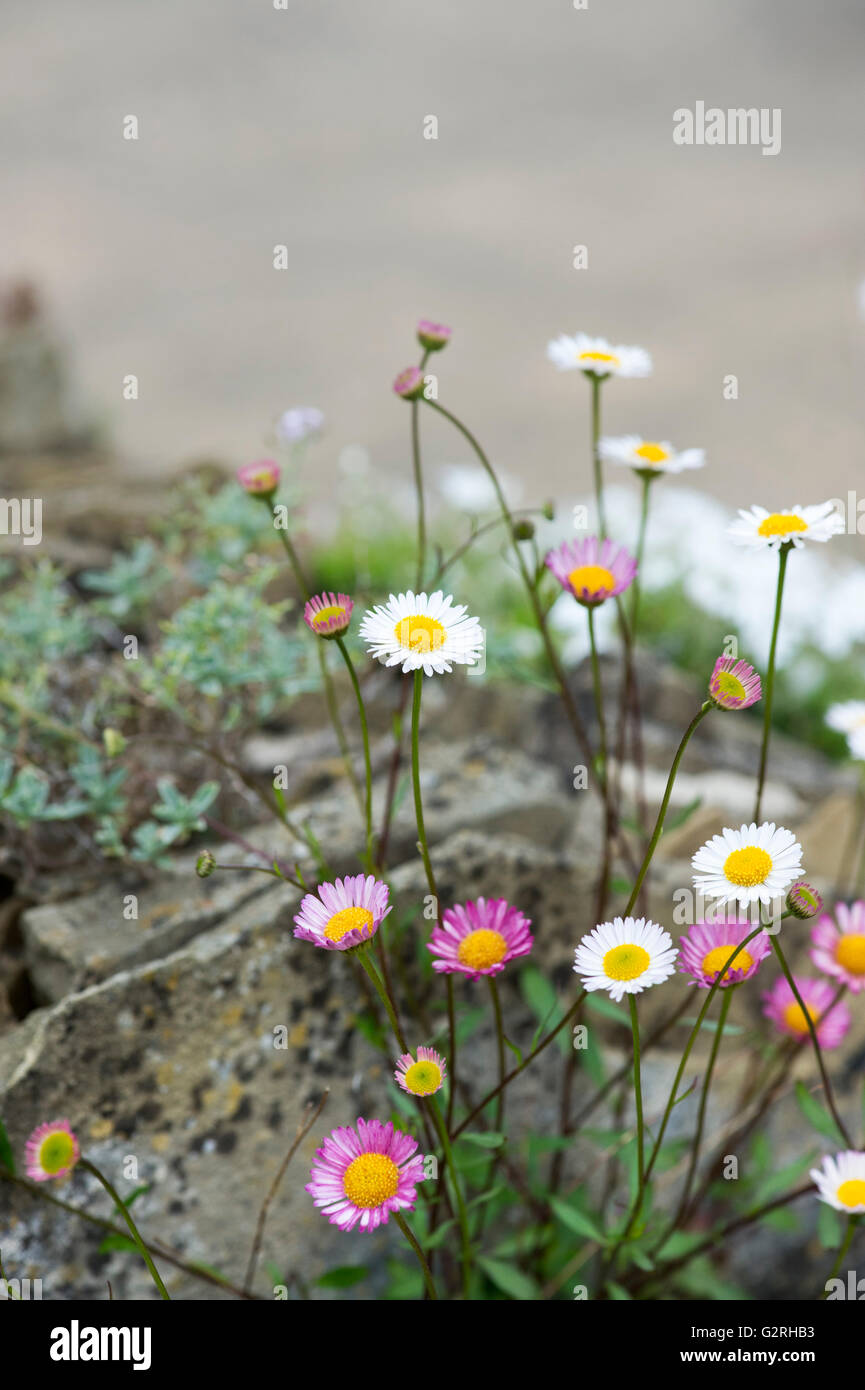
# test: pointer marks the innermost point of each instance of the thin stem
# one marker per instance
(307, 1120)
(599, 701)
(425, 1269)
(659, 823)
(827, 1087)
(387, 1002)
(638, 1095)
(647, 481)
(596, 455)
(364, 728)
(336, 721)
(462, 1214)
(769, 685)
(852, 1223)
(133, 1229)
(418, 483)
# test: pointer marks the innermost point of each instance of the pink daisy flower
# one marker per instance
(328, 614)
(706, 947)
(409, 384)
(259, 478)
(781, 1007)
(839, 945)
(479, 938)
(52, 1151)
(361, 1175)
(591, 569)
(344, 914)
(734, 684)
(433, 336)
(421, 1077)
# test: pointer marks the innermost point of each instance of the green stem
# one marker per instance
(769, 686)
(127, 1216)
(364, 728)
(647, 481)
(425, 1269)
(827, 1088)
(638, 1095)
(852, 1223)
(418, 483)
(336, 721)
(596, 457)
(659, 823)
(387, 1002)
(599, 700)
(462, 1213)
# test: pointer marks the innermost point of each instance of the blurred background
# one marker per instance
(305, 127)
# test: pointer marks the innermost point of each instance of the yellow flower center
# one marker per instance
(850, 953)
(418, 633)
(795, 1018)
(747, 867)
(626, 962)
(651, 453)
(852, 1192)
(730, 685)
(423, 1078)
(370, 1179)
(714, 961)
(324, 615)
(56, 1152)
(603, 357)
(481, 949)
(779, 523)
(591, 579)
(347, 920)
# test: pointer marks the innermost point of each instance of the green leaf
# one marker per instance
(617, 1292)
(814, 1113)
(440, 1234)
(514, 1049)
(489, 1140)
(683, 814)
(731, 1030)
(618, 885)
(577, 1221)
(118, 1243)
(829, 1228)
(135, 1194)
(7, 1157)
(343, 1277)
(510, 1280)
(597, 1004)
(542, 999)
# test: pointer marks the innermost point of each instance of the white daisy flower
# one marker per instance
(759, 528)
(756, 863)
(841, 1182)
(625, 956)
(421, 631)
(597, 357)
(649, 456)
(848, 718)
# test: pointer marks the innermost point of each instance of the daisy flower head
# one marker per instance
(433, 336)
(422, 632)
(328, 615)
(839, 945)
(299, 423)
(707, 946)
(848, 718)
(596, 357)
(52, 1151)
(479, 938)
(592, 569)
(344, 914)
(841, 1182)
(261, 479)
(423, 1075)
(785, 1011)
(648, 457)
(760, 529)
(734, 684)
(409, 384)
(361, 1175)
(625, 956)
(755, 863)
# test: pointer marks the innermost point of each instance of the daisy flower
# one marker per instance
(361, 1175)
(848, 718)
(422, 632)
(760, 529)
(328, 614)
(591, 569)
(734, 684)
(261, 478)
(479, 938)
(344, 914)
(422, 1076)
(52, 1151)
(433, 336)
(755, 863)
(409, 384)
(625, 956)
(839, 945)
(297, 424)
(648, 457)
(709, 945)
(596, 357)
(782, 1007)
(841, 1182)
